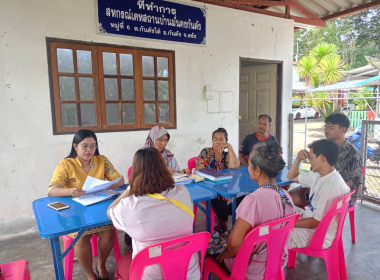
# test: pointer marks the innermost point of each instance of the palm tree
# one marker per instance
(322, 66)
(322, 50)
(325, 107)
(307, 68)
(330, 69)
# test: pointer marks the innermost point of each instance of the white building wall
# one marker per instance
(29, 150)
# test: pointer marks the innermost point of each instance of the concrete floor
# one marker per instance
(362, 258)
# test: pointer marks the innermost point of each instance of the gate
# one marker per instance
(370, 151)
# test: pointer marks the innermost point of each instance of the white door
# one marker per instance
(258, 95)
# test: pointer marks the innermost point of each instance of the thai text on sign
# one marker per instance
(159, 20)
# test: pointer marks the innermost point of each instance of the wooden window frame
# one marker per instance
(98, 81)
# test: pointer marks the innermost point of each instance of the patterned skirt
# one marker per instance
(91, 231)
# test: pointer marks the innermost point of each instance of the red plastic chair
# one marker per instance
(192, 163)
(129, 171)
(17, 270)
(351, 212)
(174, 261)
(69, 258)
(275, 240)
(333, 256)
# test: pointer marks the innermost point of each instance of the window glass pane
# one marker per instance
(112, 113)
(129, 114)
(109, 63)
(86, 89)
(163, 90)
(65, 60)
(126, 64)
(150, 113)
(110, 89)
(162, 67)
(87, 114)
(149, 90)
(84, 62)
(164, 112)
(127, 89)
(69, 114)
(67, 88)
(148, 66)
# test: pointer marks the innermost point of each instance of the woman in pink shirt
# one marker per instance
(268, 203)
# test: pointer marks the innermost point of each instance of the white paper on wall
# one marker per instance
(226, 101)
(213, 106)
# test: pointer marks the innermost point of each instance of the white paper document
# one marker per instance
(92, 184)
(92, 198)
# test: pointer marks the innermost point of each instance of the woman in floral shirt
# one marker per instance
(217, 158)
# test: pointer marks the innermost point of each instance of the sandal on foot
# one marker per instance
(97, 273)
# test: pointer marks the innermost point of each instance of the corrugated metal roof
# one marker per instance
(348, 85)
(360, 73)
(323, 8)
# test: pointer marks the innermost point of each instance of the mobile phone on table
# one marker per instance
(58, 206)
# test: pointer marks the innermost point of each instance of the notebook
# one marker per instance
(213, 175)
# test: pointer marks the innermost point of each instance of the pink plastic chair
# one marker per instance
(351, 212)
(17, 270)
(275, 240)
(192, 163)
(333, 256)
(129, 171)
(69, 258)
(174, 261)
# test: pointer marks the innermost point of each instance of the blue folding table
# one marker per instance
(78, 218)
(240, 185)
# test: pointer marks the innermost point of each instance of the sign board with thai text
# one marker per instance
(157, 19)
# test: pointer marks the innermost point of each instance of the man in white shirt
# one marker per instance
(326, 187)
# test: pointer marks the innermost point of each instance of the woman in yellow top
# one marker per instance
(68, 179)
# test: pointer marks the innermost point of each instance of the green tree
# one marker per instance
(363, 104)
(322, 66)
(307, 69)
(330, 69)
(324, 107)
(355, 36)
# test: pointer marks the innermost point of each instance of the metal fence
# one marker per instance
(356, 117)
(370, 151)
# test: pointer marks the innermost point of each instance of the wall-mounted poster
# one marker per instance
(156, 19)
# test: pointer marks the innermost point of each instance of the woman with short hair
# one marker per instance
(217, 158)
(266, 204)
(68, 179)
(149, 219)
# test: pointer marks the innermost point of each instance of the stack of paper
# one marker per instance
(183, 180)
(96, 191)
